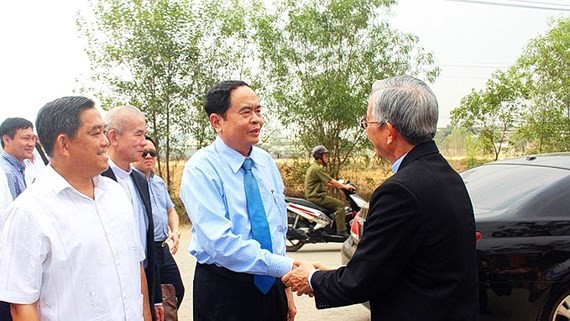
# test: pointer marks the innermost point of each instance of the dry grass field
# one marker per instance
(366, 174)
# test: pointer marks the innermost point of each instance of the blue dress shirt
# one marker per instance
(14, 170)
(161, 203)
(212, 190)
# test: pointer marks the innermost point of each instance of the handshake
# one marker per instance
(298, 278)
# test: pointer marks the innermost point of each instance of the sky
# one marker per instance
(41, 55)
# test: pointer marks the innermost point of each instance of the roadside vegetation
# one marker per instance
(312, 62)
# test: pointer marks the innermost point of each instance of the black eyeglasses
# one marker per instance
(364, 123)
(152, 153)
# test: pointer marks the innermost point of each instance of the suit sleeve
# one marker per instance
(391, 236)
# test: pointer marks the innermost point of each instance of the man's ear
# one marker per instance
(5, 139)
(392, 133)
(61, 145)
(112, 136)
(216, 121)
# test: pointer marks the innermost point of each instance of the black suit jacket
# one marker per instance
(151, 269)
(416, 259)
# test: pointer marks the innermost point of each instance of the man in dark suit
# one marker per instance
(125, 128)
(416, 259)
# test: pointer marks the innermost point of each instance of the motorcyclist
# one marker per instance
(317, 180)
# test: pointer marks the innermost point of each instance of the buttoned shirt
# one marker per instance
(212, 190)
(125, 180)
(161, 203)
(5, 195)
(78, 257)
(14, 170)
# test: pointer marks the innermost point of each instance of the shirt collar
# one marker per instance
(119, 172)
(58, 183)
(14, 161)
(233, 157)
(397, 163)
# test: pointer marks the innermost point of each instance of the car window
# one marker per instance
(496, 187)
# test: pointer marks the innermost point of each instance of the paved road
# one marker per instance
(306, 311)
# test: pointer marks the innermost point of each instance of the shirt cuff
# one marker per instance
(310, 277)
(279, 265)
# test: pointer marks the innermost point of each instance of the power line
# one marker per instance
(513, 5)
(541, 2)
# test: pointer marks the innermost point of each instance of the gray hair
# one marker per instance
(118, 117)
(409, 105)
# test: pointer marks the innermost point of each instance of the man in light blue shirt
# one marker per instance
(18, 141)
(212, 190)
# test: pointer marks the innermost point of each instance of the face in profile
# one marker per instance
(243, 121)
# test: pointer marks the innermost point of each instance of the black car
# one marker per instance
(522, 213)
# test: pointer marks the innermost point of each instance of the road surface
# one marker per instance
(326, 253)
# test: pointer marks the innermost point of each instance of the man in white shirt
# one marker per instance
(5, 196)
(68, 244)
(125, 128)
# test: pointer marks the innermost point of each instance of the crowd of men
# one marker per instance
(90, 235)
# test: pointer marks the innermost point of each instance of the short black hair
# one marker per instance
(217, 99)
(61, 116)
(11, 125)
(152, 141)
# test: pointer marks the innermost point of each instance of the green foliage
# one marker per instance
(529, 104)
(493, 111)
(162, 56)
(545, 65)
(320, 59)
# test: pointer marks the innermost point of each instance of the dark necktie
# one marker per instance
(258, 219)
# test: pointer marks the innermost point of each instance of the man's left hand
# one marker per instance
(292, 309)
(175, 241)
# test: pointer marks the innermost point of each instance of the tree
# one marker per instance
(320, 59)
(545, 64)
(528, 102)
(493, 111)
(162, 56)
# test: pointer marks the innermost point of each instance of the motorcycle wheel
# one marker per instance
(294, 245)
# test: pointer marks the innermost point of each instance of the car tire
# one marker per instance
(557, 306)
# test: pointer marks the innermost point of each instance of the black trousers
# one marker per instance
(222, 295)
(168, 270)
(5, 311)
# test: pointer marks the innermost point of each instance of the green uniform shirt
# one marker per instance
(315, 182)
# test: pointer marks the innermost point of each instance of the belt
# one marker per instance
(161, 243)
(220, 271)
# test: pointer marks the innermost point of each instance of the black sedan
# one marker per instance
(522, 212)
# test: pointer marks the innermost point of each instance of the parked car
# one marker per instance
(522, 215)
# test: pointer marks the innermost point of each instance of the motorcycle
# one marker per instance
(311, 223)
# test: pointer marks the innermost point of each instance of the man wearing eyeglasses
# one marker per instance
(125, 128)
(166, 232)
(418, 243)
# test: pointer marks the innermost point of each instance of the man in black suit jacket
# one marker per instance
(125, 128)
(416, 259)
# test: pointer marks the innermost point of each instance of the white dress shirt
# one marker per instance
(126, 181)
(78, 257)
(5, 195)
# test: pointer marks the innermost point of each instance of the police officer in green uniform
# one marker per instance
(317, 180)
